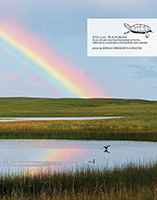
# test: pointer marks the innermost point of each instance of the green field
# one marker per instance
(140, 122)
(129, 183)
(40, 107)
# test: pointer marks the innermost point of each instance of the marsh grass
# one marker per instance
(109, 129)
(131, 182)
(141, 194)
(140, 122)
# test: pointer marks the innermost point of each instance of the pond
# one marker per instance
(58, 155)
(9, 119)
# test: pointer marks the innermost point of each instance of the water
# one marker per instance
(44, 155)
(9, 119)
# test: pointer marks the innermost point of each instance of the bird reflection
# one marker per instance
(106, 151)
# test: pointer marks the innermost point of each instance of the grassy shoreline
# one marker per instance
(131, 182)
(139, 123)
(91, 130)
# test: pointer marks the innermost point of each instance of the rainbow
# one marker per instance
(55, 156)
(38, 57)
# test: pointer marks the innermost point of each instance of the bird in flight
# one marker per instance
(106, 147)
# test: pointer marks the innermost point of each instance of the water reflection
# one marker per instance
(57, 155)
(11, 119)
(106, 151)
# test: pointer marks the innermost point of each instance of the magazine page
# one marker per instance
(78, 100)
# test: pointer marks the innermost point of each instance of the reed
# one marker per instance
(110, 129)
(141, 194)
(131, 182)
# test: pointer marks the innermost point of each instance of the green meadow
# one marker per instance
(129, 183)
(140, 122)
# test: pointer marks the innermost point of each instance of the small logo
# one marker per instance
(138, 29)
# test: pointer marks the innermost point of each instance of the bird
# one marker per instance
(106, 147)
(92, 161)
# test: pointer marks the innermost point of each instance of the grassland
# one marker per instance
(140, 122)
(127, 183)
(40, 107)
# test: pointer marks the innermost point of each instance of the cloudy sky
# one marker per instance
(62, 24)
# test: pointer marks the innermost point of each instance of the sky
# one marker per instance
(62, 27)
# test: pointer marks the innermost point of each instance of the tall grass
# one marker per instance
(109, 129)
(141, 194)
(139, 124)
(131, 182)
